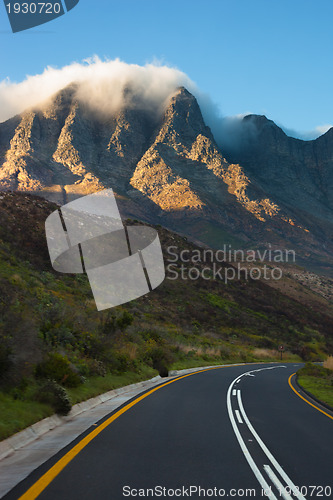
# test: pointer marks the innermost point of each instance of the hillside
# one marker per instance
(50, 328)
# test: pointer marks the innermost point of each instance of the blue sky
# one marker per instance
(270, 57)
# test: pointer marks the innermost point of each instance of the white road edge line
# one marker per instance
(246, 452)
(267, 452)
(275, 480)
(239, 418)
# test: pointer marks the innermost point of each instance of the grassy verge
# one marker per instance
(19, 411)
(196, 363)
(16, 414)
(98, 385)
(318, 381)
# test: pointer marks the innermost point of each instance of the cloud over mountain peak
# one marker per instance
(101, 84)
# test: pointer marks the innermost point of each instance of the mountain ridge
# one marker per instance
(169, 169)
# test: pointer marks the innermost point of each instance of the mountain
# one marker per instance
(168, 170)
(297, 173)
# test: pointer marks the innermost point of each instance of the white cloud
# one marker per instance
(101, 84)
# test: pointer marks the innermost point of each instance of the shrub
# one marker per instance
(114, 323)
(122, 362)
(59, 335)
(161, 360)
(91, 345)
(55, 395)
(57, 367)
(88, 367)
(125, 320)
(151, 334)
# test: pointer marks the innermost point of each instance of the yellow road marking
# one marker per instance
(37, 488)
(304, 399)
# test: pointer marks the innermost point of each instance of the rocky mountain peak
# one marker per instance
(261, 128)
(184, 115)
(167, 168)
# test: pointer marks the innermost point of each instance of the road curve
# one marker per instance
(237, 432)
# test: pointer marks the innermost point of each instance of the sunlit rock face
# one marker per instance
(167, 168)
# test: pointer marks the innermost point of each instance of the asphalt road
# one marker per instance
(228, 433)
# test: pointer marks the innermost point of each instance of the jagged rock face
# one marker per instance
(297, 172)
(63, 150)
(183, 170)
(168, 169)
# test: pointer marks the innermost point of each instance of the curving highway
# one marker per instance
(237, 432)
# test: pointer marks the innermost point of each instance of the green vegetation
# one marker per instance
(318, 381)
(56, 349)
(17, 414)
(23, 406)
(98, 385)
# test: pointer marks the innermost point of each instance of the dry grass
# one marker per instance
(130, 350)
(212, 351)
(265, 353)
(200, 351)
(328, 363)
(186, 348)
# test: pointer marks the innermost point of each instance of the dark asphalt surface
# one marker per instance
(181, 436)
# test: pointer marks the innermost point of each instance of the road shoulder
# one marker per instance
(310, 398)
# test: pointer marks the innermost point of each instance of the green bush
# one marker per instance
(122, 363)
(55, 395)
(57, 367)
(151, 334)
(125, 320)
(90, 367)
(59, 335)
(161, 358)
(91, 345)
(114, 322)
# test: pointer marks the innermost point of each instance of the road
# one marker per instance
(238, 432)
